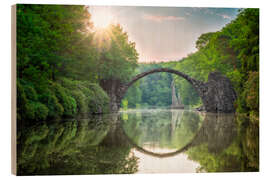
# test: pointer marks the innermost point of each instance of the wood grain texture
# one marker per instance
(13, 91)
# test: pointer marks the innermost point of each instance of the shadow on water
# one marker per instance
(105, 144)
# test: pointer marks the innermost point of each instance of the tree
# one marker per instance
(118, 56)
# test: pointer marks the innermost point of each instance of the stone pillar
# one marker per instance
(174, 98)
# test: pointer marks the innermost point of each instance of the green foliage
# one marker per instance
(46, 35)
(233, 51)
(98, 101)
(81, 101)
(133, 96)
(68, 102)
(125, 104)
(66, 97)
(56, 110)
(90, 97)
(37, 111)
(60, 62)
(151, 91)
(203, 40)
(189, 96)
(28, 106)
(252, 92)
(21, 102)
(31, 93)
(118, 56)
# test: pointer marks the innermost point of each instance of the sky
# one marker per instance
(163, 33)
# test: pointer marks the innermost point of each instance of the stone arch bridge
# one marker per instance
(217, 93)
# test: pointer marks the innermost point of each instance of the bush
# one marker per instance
(68, 83)
(80, 100)
(21, 101)
(65, 97)
(41, 111)
(36, 111)
(98, 100)
(248, 100)
(68, 102)
(252, 91)
(56, 110)
(28, 106)
(30, 93)
(235, 77)
(70, 106)
(90, 97)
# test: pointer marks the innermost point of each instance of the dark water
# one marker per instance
(141, 141)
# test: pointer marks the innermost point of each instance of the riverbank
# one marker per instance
(60, 99)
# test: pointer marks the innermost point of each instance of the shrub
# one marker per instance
(41, 111)
(80, 100)
(248, 100)
(90, 97)
(98, 98)
(66, 97)
(70, 106)
(36, 111)
(30, 93)
(68, 83)
(21, 101)
(252, 91)
(55, 108)
(68, 102)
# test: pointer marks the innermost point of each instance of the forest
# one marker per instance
(62, 64)
(233, 51)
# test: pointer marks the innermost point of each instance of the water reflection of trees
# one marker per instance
(168, 129)
(102, 144)
(226, 145)
(219, 144)
(217, 131)
(72, 147)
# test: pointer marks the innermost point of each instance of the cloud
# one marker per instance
(225, 16)
(158, 18)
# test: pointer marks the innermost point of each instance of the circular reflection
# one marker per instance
(182, 131)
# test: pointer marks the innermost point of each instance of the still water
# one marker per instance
(140, 141)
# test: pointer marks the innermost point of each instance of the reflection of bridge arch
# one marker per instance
(159, 155)
(218, 130)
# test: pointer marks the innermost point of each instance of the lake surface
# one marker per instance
(140, 141)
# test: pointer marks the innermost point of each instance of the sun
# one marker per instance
(102, 21)
(101, 18)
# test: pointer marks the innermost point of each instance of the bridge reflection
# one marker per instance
(217, 131)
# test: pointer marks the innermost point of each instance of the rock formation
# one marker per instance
(176, 102)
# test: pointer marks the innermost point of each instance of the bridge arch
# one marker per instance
(192, 81)
(217, 93)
